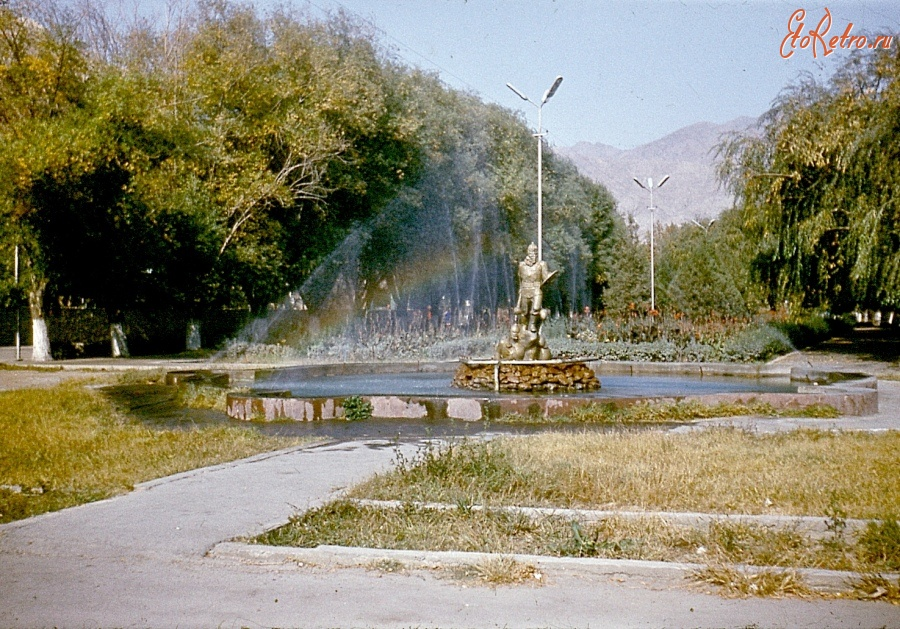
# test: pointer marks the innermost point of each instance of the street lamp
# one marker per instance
(706, 227)
(18, 314)
(650, 187)
(540, 137)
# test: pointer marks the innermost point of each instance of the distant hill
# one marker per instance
(687, 155)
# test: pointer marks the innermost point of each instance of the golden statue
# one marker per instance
(525, 341)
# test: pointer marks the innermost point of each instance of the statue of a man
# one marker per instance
(532, 275)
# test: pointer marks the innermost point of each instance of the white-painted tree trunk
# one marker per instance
(192, 336)
(40, 337)
(118, 340)
(40, 341)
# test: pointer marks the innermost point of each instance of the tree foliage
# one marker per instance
(703, 269)
(818, 188)
(231, 157)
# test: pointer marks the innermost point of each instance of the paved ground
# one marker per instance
(152, 559)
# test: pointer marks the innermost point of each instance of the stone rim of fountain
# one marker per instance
(851, 393)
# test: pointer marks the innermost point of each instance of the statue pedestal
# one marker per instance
(526, 376)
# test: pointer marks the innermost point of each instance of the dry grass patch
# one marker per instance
(742, 583)
(875, 587)
(497, 571)
(510, 531)
(714, 471)
(345, 523)
(834, 476)
(68, 445)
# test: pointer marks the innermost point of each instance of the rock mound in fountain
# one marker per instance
(526, 375)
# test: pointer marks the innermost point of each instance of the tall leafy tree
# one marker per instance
(818, 188)
(42, 82)
(703, 269)
(628, 276)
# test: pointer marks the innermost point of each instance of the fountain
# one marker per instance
(523, 378)
(522, 361)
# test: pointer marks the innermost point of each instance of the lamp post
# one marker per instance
(540, 140)
(706, 227)
(18, 323)
(650, 187)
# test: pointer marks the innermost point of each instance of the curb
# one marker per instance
(823, 581)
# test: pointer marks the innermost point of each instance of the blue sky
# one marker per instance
(633, 71)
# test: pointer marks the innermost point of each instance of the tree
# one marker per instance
(703, 269)
(817, 188)
(42, 79)
(628, 283)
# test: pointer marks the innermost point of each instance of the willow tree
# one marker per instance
(819, 188)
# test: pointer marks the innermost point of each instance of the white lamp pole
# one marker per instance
(540, 141)
(650, 187)
(18, 325)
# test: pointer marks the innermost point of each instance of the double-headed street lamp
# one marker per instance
(650, 187)
(706, 227)
(540, 140)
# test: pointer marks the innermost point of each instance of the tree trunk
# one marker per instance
(40, 341)
(192, 336)
(40, 338)
(118, 340)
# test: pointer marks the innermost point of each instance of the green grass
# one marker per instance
(648, 412)
(68, 445)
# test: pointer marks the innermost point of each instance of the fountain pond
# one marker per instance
(419, 391)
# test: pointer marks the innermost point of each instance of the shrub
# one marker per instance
(804, 330)
(356, 408)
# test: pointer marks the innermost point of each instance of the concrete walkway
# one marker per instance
(141, 560)
(144, 560)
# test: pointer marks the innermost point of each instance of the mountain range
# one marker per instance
(688, 156)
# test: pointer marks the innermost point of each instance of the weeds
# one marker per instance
(877, 587)
(880, 543)
(387, 565)
(504, 570)
(835, 475)
(650, 412)
(15, 367)
(193, 395)
(356, 408)
(141, 376)
(500, 530)
(741, 583)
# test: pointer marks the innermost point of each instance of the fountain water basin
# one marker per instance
(423, 391)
